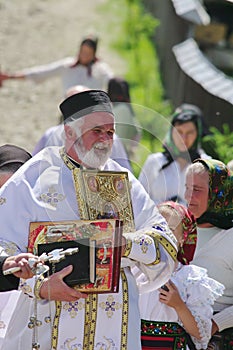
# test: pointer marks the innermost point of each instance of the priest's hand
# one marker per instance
(54, 288)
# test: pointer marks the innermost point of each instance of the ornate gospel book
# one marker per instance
(96, 265)
(104, 194)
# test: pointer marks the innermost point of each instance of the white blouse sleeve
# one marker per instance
(201, 292)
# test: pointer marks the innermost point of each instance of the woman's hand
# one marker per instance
(170, 297)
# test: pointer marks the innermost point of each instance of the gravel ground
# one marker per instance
(34, 32)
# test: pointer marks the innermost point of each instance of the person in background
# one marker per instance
(207, 137)
(209, 194)
(230, 164)
(84, 69)
(163, 173)
(194, 108)
(11, 281)
(55, 135)
(127, 127)
(178, 315)
(46, 190)
(12, 158)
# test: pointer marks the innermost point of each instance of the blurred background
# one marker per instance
(170, 51)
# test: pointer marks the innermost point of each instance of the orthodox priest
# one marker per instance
(45, 189)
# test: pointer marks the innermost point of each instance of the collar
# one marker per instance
(69, 162)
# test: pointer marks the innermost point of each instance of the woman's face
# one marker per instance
(86, 54)
(184, 135)
(197, 192)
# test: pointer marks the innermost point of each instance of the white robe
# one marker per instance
(21, 202)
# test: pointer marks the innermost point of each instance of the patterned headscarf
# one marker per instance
(170, 150)
(220, 201)
(189, 225)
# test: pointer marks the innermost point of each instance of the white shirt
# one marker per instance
(215, 254)
(78, 75)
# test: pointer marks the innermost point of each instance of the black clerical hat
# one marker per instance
(83, 103)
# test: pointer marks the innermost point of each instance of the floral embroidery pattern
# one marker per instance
(110, 306)
(73, 308)
(70, 344)
(10, 248)
(67, 345)
(163, 228)
(2, 200)
(52, 197)
(144, 243)
(171, 330)
(110, 345)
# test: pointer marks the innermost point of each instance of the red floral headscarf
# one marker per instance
(186, 252)
(220, 202)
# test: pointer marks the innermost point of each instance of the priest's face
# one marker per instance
(94, 146)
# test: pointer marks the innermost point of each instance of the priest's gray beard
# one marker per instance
(96, 157)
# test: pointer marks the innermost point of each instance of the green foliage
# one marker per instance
(220, 143)
(139, 50)
(134, 30)
(136, 45)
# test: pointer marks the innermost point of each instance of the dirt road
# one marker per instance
(34, 32)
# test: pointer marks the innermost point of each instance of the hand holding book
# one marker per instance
(96, 266)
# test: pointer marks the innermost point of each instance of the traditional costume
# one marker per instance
(44, 190)
(214, 247)
(161, 327)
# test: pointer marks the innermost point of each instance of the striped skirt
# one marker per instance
(164, 336)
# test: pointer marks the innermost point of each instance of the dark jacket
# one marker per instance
(8, 282)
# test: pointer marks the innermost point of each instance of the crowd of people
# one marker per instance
(176, 285)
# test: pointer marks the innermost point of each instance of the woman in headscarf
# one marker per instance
(178, 315)
(209, 193)
(163, 174)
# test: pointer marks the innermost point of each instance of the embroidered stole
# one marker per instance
(91, 303)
